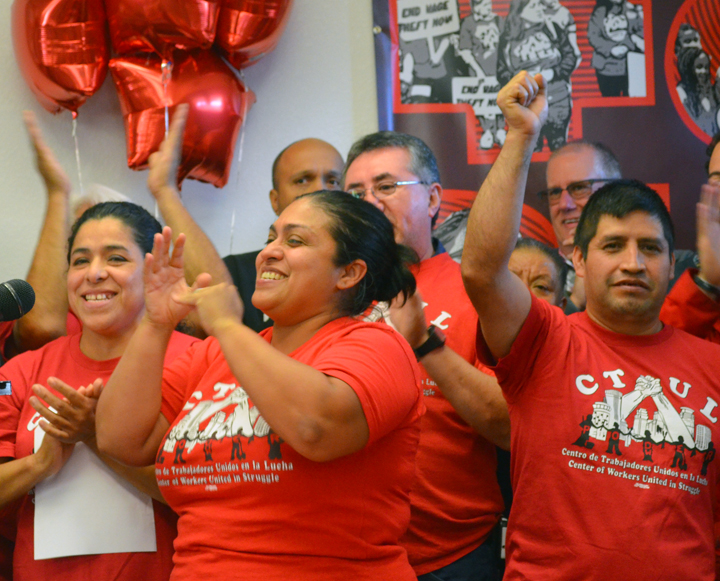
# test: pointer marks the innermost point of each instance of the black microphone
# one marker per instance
(17, 297)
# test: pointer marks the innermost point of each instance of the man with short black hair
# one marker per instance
(585, 508)
(455, 502)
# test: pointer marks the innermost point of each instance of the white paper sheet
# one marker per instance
(636, 74)
(86, 509)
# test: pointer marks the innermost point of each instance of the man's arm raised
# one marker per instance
(500, 298)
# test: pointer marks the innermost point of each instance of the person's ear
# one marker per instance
(672, 265)
(352, 274)
(275, 201)
(578, 262)
(435, 191)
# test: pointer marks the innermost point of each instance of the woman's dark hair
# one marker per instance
(363, 232)
(684, 30)
(688, 78)
(138, 219)
(618, 199)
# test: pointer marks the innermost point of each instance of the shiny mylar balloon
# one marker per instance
(249, 29)
(62, 49)
(218, 104)
(161, 25)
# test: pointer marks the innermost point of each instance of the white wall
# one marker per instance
(319, 82)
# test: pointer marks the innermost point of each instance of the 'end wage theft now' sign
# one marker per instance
(479, 92)
(427, 19)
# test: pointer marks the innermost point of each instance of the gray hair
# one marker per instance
(422, 160)
(609, 164)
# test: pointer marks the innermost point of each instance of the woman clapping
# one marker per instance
(287, 455)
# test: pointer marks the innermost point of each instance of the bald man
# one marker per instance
(302, 167)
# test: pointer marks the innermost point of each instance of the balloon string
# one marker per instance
(241, 145)
(77, 155)
(232, 229)
(166, 68)
(165, 76)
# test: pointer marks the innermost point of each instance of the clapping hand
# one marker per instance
(164, 163)
(218, 306)
(54, 176)
(165, 281)
(69, 417)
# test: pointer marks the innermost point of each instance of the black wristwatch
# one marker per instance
(436, 339)
(709, 289)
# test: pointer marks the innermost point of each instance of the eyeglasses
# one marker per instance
(576, 190)
(714, 178)
(383, 189)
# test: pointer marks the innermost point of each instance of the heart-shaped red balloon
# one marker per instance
(62, 49)
(249, 29)
(218, 103)
(161, 25)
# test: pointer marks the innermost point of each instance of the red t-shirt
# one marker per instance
(688, 308)
(62, 358)
(613, 454)
(251, 507)
(456, 500)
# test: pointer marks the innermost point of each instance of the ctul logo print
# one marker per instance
(228, 415)
(680, 431)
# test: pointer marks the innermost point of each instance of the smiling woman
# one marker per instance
(105, 290)
(289, 454)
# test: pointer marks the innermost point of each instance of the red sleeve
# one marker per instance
(15, 381)
(381, 369)
(543, 321)
(688, 308)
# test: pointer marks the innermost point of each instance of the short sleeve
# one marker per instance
(381, 369)
(543, 321)
(688, 308)
(13, 394)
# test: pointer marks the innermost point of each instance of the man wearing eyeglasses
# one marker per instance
(455, 500)
(574, 173)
